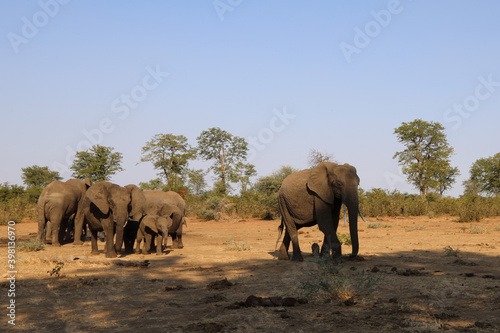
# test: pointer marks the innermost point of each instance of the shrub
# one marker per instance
(31, 245)
(469, 208)
(331, 281)
(450, 252)
(233, 245)
(17, 209)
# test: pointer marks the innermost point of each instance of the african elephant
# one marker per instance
(151, 227)
(315, 196)
(173, 198)
(107, 208)
(57, 203)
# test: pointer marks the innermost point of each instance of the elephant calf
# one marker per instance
(151, 227)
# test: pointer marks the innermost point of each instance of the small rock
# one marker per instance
(285, 315)
(375, 269)
(277, 301)
(171, 288)
(253, 301)
(350, 302)
(219, 285)
(393, 300)
(290, 301)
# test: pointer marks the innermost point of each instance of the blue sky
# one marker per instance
(289, 76)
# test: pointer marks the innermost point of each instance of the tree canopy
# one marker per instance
(426, 159)
(170, 154)
(226, 150)
(98, 163)
(37, 176)
(316, 157)
(485, 176)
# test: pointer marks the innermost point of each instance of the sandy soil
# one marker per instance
(415, 285)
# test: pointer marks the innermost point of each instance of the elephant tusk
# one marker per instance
(359, 211)
(125, 224)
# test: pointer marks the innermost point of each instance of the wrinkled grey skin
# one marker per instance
(107, 208)
(151, 227)
(158, 197)
(311, 197)
(57, 203)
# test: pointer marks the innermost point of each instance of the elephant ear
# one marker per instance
(98, 195)
(87, 182)
(150, 222)
(318, 181)
(137, 201)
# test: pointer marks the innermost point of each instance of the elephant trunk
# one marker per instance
(352, 204)
(120, 223)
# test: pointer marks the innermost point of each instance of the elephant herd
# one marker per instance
(124, 214)
(129, 215)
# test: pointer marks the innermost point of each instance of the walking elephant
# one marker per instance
(151, 227)
(158, 197)
(311, 197)
(107, 208)
(57, 203)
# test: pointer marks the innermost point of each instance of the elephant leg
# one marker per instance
(138, 242)
(159, 243)
(283, 252)
(48, 232)
(177, 242)
(328, 221)
(79, 226)
(93, 237)
(297, 254)
(42, 222)
(56, 227)
(147, 244)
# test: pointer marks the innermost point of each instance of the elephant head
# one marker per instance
(138, 202)
(332, 182)
(158, 224)
(111, 205)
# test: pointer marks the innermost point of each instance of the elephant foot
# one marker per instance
(283, 256)
(315, 250)
(297, 257)
(111, 255)
(79, 243)
(94, 253)
(145, 252)
(56, 244)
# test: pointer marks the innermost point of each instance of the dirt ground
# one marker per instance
(417, 286)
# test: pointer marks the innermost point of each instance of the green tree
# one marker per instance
(485, 175)
(226, 150)
(170, 154)
(36, 178)
(196, 181)
(153, 184)
(98, 163)
(242, 174)
(272, 183)
(426, 159)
